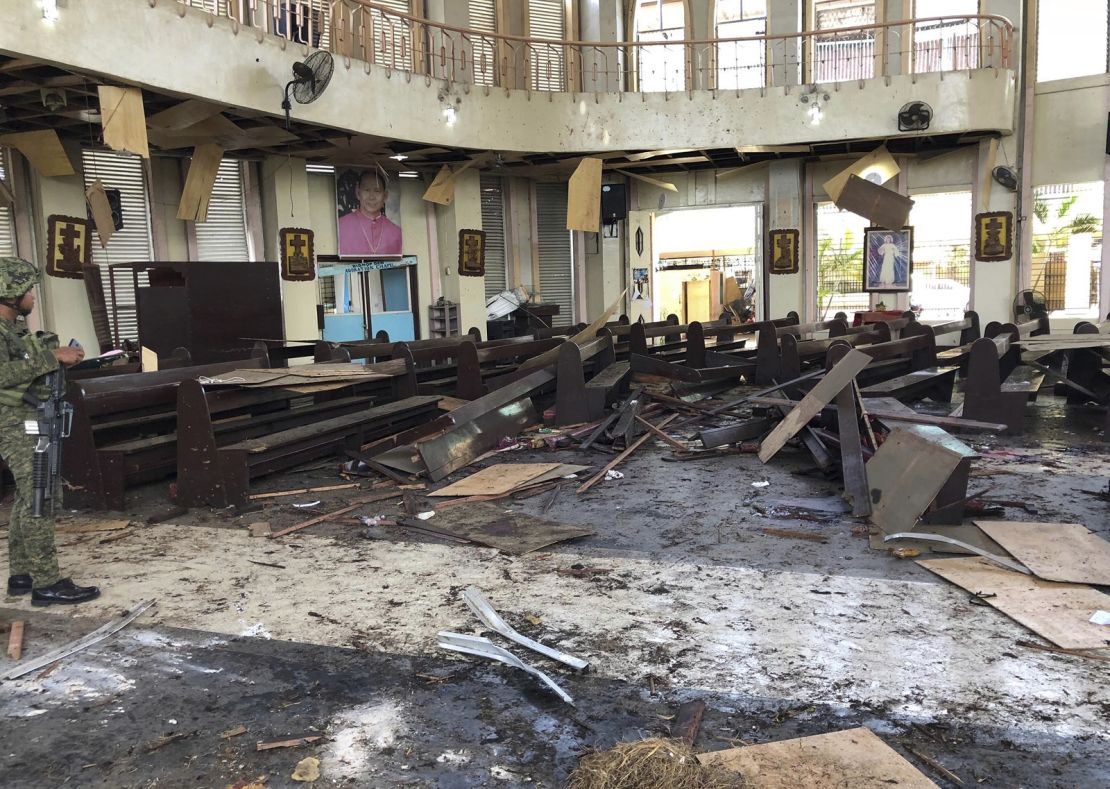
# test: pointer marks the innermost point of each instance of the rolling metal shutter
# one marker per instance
(493, 223)
(7, 220)
(556, 266)
(483, 18)
(547, 20)
(132, 244)
(223, 236)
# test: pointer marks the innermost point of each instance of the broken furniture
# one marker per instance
(998, 387)
(916, 347)
(588, 380)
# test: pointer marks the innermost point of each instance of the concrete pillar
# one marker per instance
(604, 266)
(993, 284)
(285, 203)
(414, 224)
(464, 213)
(639, 221)
(63, 305)
(785, 292)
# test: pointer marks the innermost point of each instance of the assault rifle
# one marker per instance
(53, 425)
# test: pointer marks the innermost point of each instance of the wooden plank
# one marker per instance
(302, 491)
(911, 417)
(855, 758)
(43, 150)
(124, 120)
(341, 511)
(495, 480)
(851, 452)
(652, 181)
(97, 198)
(660, 434)
(183, 115)
(1065, 552)
(199, 182)
(1057, 612)
(584, 197)
(904, 477)
(15, 640)
(621, 457)
(841, 375)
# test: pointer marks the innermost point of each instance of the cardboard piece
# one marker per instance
(584, 197)
(1065, 552)
(855, 758)
(497, 479)
(149, 360)
(884, 207)
(124, 119)
(43, 150)
(842, 374)
(183, 115)
(97, 199)
(878, 167)
(1057, 612)
(199, 182)
(905, 475)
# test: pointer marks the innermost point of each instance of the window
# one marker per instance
(839, 262)
(326, 293)
(391, 36)
(482, 50)
(1071, 39)
(941, 279)
(741, 64)
(547, 62)
(945, 44)
(7, 218)
(846, 55)
(1067, 247)
(132, 244)
(223, 236)
(661, 67)
(556, 285)
(493, 223)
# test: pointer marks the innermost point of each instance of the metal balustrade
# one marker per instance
(360, 30)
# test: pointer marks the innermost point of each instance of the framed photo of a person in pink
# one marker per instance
(887, 259)
(365, 204)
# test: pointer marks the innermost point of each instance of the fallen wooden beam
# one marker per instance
(302, 491)
(621, 457)
(342, 511)
(914, 419)
(15, 640)
(660, 434)
(795, 535)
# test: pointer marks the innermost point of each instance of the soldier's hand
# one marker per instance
(69, 355)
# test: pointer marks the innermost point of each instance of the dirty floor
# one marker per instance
(680, 595)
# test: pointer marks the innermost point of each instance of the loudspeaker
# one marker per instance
(614, 203)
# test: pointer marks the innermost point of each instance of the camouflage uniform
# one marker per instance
(24, 358)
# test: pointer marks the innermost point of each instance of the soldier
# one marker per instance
(24, 359)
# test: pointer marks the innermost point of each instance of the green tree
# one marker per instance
(838, 263)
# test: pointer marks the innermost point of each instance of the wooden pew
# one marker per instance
(969, 332)
(998, 387)
(582, 395)
(1084, 367)
(925, 378)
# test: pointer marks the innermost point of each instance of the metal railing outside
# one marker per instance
(360, 30)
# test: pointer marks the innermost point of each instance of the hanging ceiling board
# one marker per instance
(7, 196)
(259, 137)
(584, 197)
(442, 188)
(124, 119)
(877, 167)
(101, 210)
(773, 149)
(43, 150)
(905, 475)
(218, 129)
(1057, 612)
(496, 480)
(883, 207)
(1065, 552)
(647, 180)
(203, 168)
(183, 115)
(855, 758)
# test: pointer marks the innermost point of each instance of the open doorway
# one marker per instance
(707, 262)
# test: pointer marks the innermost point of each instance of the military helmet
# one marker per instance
(17, 276)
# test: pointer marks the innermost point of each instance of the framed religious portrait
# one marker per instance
(369, 214)
(782, 252)
(887, 259)
(68, 246)
(994, 236)
(472, 253)
(298, 254)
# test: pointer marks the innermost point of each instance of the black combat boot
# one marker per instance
(64, 591)
(19, 584)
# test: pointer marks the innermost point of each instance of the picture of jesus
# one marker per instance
(888, 262)
(364, 202)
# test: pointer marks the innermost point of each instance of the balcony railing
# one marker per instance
(360, 30)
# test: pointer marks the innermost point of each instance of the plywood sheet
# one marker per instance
(509, 532)
(878, 167)
(97, 199)
(43, 150)
(124, 119)
(883, 207)
(183, 115)
(149, 359)
(854, 758)
(199, 182)
(584, 197)
(495, 480)
(442, 188)
(904, 476)
(1065, 552)
(1057, 612)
